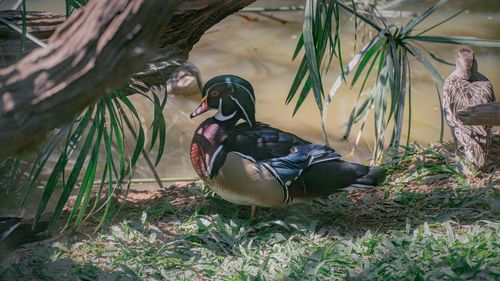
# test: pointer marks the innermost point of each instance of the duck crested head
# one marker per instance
(466, 63)
(232, 96)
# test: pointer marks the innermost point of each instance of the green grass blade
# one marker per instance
(87, 179)
(470, 41)
(310, 52)
(297, 81)
(41, 160)
(300, 45)
(366, 58)
(79, 163)
(108, 143)
(408, 133)
(426, 63)
(159, 128)
(92, 166)
(434, 56)
(303, 95)
(414, 22)
(446, 19)
(394, 75)
(119, 136)
(399, 112)
(108, 202)
(61, 164)
(140, 138)
(352, 120)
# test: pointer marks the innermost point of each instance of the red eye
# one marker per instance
(214, 93)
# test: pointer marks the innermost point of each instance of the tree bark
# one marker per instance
(482, 114)
(40, 24)
(190, 21)
(96, 49)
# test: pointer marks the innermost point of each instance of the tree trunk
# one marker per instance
(482, 114)
(97, 49)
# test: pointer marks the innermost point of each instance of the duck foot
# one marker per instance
(253, 213)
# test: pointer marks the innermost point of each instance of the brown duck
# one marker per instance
(250, 163)
(467, 87)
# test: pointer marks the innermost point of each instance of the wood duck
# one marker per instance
(252, 163)
(463, 88)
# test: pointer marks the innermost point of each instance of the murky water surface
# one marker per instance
(259, 49)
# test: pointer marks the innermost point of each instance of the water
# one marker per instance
(260, 51)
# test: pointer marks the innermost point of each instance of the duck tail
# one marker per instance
(374, 177)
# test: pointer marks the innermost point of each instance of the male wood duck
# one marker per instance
(252, 163)
(463, 88)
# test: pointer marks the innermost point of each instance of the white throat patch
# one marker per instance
(219, 116)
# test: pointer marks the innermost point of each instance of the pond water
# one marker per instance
(260, 49)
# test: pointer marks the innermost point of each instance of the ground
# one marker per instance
(427, 222)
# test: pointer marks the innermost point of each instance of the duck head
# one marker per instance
(466, 63)
(232, 96)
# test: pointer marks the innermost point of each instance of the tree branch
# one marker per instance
(482, 114)
(97, 48)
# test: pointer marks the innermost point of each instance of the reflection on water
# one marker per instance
(260, 49)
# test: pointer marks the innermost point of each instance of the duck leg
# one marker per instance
(253, 213)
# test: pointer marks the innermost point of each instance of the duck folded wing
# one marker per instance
(288, 168)
(261, 142)
(283, 154)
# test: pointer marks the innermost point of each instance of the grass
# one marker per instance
(428, 222)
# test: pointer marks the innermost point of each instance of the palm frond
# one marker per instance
(388, 51)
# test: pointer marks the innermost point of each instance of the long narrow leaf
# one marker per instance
(415, 21)
(77, 167)
(446, 19)
(470, 41)
(426, 63)
(313, 65)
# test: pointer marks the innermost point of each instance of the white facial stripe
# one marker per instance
(230, 82)
(242, 109)
(220, 116)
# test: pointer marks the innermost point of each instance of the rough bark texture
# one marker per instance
(40, 24)
(483, 114)
(96, 49)
(190, 21)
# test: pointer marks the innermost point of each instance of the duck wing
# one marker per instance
(458, 95)
(261, 142)
(283, 154)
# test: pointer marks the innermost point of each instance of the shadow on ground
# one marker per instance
(424, 219)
